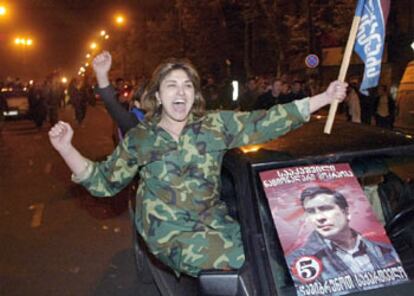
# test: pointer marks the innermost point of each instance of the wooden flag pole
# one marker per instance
(343, 70)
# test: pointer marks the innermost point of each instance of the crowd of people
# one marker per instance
(258, 92)
(376, 107)
(46, 97)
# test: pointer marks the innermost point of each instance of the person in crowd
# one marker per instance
(226, 90)
(353, 105)
(53, 93)
(263, 84)
(17, 85)
(271, 97)
(78, 99)
(38, 109)
(88, 91)
(367, 101)
(286, 96)
(312, 86)
(122, 117)
(211, 94)
(339, 249)
(177, 152)
(297, 90)
(122, 92)
(248, 98)
(385, 111)
(3, 106)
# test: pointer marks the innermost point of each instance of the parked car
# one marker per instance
(15, 103)
(374, 154)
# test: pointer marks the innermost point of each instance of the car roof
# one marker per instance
(347, 140)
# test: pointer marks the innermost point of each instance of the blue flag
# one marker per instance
(369, 43)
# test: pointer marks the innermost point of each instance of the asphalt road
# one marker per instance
(55, 239)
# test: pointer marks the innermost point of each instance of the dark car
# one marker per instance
(15, 103)
(375, 155)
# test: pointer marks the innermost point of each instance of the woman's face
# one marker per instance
(176, 94)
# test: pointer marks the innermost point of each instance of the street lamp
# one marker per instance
(93, 45)
(4, 13)
(119, 19)
(104, 34)
(23, 43)
(3, 10)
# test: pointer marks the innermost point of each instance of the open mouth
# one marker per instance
(179, 102)
(179, 106)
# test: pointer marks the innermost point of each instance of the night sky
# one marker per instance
(61, 30)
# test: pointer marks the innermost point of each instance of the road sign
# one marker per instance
(312, 61)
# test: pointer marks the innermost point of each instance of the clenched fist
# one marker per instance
(60, 135)
(102, 63)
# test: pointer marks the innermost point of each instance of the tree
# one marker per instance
(257, 36)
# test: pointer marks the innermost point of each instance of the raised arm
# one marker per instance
(101, 65)
(246, 128)
(61, 136)
(104, 178)
(124, 119)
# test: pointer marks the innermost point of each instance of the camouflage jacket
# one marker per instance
(179, 182)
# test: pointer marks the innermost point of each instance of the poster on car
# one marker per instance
(332, 240)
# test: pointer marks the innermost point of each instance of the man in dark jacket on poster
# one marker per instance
(334, 249)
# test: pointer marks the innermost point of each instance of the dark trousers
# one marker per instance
(53, 115)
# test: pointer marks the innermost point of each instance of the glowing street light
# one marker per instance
(23, 41)
(119, 19)
(64, 80)
(93, 46)
(3, 10)
(88, 55)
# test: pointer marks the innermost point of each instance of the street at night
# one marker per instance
(206, 148)
(55, 238)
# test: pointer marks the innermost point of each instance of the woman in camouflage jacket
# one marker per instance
(177, 152)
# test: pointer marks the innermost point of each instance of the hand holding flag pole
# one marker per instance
(368, 29)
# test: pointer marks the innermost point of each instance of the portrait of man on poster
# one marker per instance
(333, 248)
